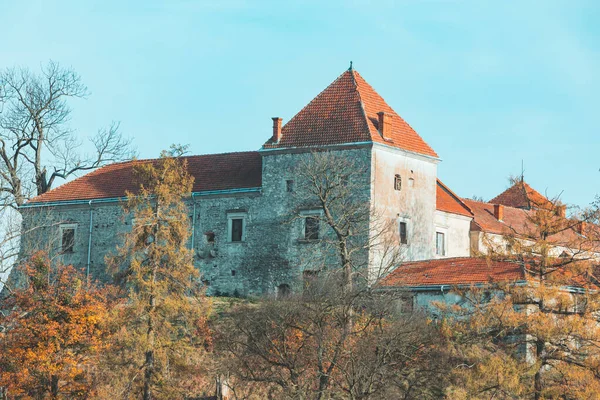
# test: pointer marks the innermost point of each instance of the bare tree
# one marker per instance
(37, 145)
(334, 184)
(338, 338)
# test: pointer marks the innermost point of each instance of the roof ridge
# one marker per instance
(525, 193)
(360, 100)
(451, 193)
(183, 156)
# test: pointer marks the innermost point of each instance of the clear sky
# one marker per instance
(486, 83)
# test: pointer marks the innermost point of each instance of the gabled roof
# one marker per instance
(519, 222)
(453, 271)
(346, 112)
(211, 172)
(521, 195)
(449, 202)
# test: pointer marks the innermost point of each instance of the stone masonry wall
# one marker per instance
(272, 254)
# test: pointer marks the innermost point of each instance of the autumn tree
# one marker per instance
(38, 147)
(52, 333)
(161, 326)
(539, 337)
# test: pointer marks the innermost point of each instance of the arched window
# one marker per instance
(283, 291)
(397, 182)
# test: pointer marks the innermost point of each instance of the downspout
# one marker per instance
(193, 222)
(89, 254)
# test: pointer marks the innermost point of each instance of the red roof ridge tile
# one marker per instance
(362, 104)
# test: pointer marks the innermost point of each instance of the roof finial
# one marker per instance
(522, 171)
(350, 69)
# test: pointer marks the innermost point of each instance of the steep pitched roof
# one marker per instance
(449, 202)
(453, 271)
(521, 195)
(346, 112)
(211, 172)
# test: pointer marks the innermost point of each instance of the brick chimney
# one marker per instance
(561, 211)
(581, 225)
(276, 129)
(499, 212)
(385, 124)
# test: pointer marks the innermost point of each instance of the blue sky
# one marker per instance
(485, 83)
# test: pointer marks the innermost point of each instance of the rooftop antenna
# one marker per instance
(350, 69)
(522, 171)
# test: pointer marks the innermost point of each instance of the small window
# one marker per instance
(236, 227)
(209, 237)
(403, 233)
(67, 236)
(440, 244)
(283, 291)
(397, 182)
(289, 186)
(311, 228)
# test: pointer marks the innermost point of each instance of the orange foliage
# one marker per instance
(52, 334)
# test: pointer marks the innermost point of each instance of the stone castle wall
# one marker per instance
(272, 254)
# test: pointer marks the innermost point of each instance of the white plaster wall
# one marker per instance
(415, 205)
(456, 229)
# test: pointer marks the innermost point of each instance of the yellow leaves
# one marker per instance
(51, 334)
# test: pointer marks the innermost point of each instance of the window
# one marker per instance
(397, 182)
(236, 227)
(440, 244)
(289, 186)
(311, 228)
(411, 182)
(403, 232)
(67, 238)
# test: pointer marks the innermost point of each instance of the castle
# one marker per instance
(240, 201)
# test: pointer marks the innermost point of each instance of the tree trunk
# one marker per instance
(538, 384)
(54, 387)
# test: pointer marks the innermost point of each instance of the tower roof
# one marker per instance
(346, 112)
(521, 195)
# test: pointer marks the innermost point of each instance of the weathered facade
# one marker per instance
(250, 233)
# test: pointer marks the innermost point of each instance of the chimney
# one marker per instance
(581, 225)
(276, 129)
(385, 124)
(561, 211)
(499, 212)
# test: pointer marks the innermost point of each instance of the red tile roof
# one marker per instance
(346, 112)
(521, 195)
(211, 172)
(453, 271)
(521, 223)
(449, 202)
